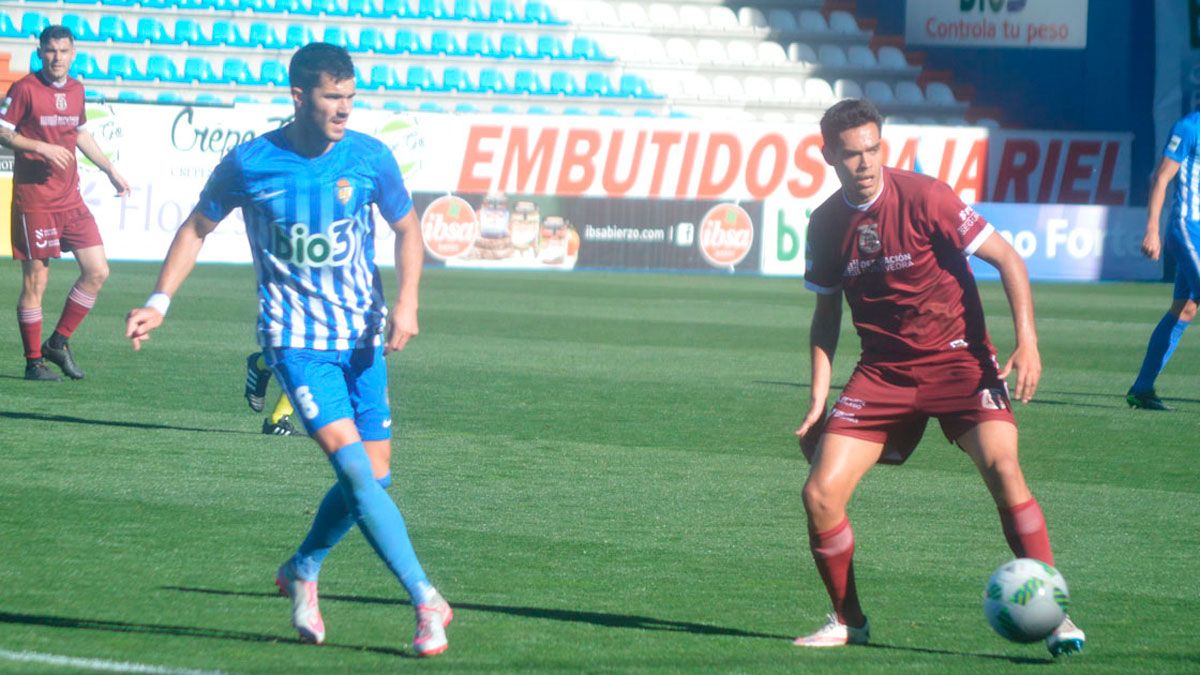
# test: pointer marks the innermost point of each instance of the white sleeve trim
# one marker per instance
(8, 125)
(822, 290)
(978, 240)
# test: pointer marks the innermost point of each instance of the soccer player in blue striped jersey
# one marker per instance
(306, 192)
(1180, 158)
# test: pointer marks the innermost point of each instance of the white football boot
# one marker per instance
(836, 634)
(1066, 639)
(432, 619)
(306, 615)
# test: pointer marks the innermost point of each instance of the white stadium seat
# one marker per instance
(662, 14)
(681, 50)
(789, 88)
(892, 57)
(752, 17)
(758, 88)
(729, 87)
(847, 88)
(771, 52)
(831, 55)
(818, 90)
(879, 92)
(741, 52)
(692, 16)
(600, 13)
(841, 21)
(723, 18)
(711, 51)
(802, 53)
(812, 21)
(782, 20)
(632, 14)
(861, 56)
(909, 92)
(940, 93)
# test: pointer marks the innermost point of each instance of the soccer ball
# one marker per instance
(1025, 600)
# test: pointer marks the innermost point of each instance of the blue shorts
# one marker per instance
(326, 386)
(1184, 245)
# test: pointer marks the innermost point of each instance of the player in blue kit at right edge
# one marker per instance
(1182, 157)
(306, 191)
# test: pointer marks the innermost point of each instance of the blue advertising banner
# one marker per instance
(1072, 243)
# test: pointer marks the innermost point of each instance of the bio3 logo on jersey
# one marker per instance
(449, 227)
(298, 246)
(726, 235)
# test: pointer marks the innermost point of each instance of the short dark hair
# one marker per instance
(54, 33)
(849, 114)
(315, 58)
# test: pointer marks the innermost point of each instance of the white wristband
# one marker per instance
(159, 301)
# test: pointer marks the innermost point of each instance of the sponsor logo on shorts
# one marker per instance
(855, 403)
(839, 414)
(43, 238)
(868, 238)
(993, 399)
(959, 344)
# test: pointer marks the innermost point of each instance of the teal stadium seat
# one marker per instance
(227, 33)
(478, 44)
(456, 79)
(161, 68)
(360, 8)
(33, 23)
(537, 11)
(468, 10)
(208, 99)
(72, 2)
(114, 29)
(597, 84)
(407, 42)
(319, 7)
(108, 3)
(420, 79)
(245, 98)
(8, 29)
(256, 6)
(188, 31)
(85, 66)
(297, 36)
(287, 7)
(432, 9)
(80, 27)
(234, 70)
(384, 76)
(492, 81)
(197, 69)
(272, 72)
(371, 40)
(444, 43)
(512, 46)
(550, 47)
(336, 35)
(395, 106)
(389, 9)
(528, 82)
(150, 30)
(635, 86)
(585, 48)
(263, 35)
(431, 107)
(466, 108)
(573, 110)
(504, 11)
(562, 83)
(130, 97)
(503, 109)
(169, 98)
(122, 67)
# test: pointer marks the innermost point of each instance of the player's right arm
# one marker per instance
(181, 259)
(823, 340)
(1163, 175)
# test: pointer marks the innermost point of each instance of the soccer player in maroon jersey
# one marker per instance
(42, 119)
(895, 244)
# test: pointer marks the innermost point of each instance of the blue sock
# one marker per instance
(332, 522)
(1163, 342)
(379, 519)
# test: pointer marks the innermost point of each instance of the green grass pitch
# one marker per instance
(599, 472)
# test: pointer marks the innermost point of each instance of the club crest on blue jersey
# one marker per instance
(344, 190)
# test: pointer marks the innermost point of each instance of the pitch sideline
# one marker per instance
(97, 664)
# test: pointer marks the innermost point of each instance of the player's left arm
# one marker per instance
(410, 257)
(1015, 278)
(90, 149)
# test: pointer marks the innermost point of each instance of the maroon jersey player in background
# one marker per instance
(42, 118)
(895, 244)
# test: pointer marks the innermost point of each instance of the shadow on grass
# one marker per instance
(40, 417)
(1023, 660)
(177, 631)
(570, 615)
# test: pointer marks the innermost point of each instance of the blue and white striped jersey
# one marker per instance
(1182, 147)
(312, 235)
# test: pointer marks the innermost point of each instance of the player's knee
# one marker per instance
(819, 499)
(94, 277)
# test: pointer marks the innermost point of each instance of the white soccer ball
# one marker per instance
(1025, 600)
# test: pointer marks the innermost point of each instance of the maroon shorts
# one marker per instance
(890, 404)
(38, 236)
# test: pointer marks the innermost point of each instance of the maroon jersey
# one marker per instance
(902, 262)
(41, 111)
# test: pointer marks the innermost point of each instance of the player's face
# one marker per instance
(57, 57)
(858, 160)
(324, 110)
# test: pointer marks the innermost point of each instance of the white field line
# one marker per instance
(97, 664)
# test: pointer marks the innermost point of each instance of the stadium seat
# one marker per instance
(234, 70)
(789, 88)
(365, 8)
(287, 7)
(478, 44)
(681, 50)
(847, 88)
(272, 72)
(940, 93)
(752, 17)
(722, 18)
(8, 29)
(818, 90)
(693, 17)
(537, 11)
(503, 109)
(419, 78)
(503, 11)
(698, 86)
(771, 53)
(562, 83)
(161, 67)
(741, 52)
(468, 10)
(493, 81)
(782, 21)
(599, 14)
(758, 88)
(246, 98)
(660, 14)
(208, 99)
(80, 27)
(803, 53)
(371, 40)
(812, 21)
(634, 14)
(432, 9)
(573, 110)
(395, 106)
(197, 69)
(263, 35)
(879, 92)
(227, 33)
(123, 67)
(537, 110)
(466, 108)
(528, 82)
(169, 97)
(407, 42)
(861, 57)
(151, 31)
(431, 107)
(831, 56)
(585, 48)
(384, 76)
(909, 92)
(322, 7)
(108, 3)
(33, 23)
(389, 9)
(444, 43)
(187, 31)
(456, 79)
(891, 57)
(337, 35)
(711, 51)
(728, 87)
(594, 84)
(114, 29)
(550, 47)
(844, 23)
(297, 35)
(126, 96)
(512, 45)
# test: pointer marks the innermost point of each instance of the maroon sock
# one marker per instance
(29, 321)
(833, 551)
(78, 304)
(1025, 529)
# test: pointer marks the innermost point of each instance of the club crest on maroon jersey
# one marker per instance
(868, 238)
(60, 102)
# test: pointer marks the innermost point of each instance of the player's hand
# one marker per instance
(1028, 364)
(138, 324)
(1151, 245)
(812, 419)
(401, 327)
(58, 156)
(119, 183)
